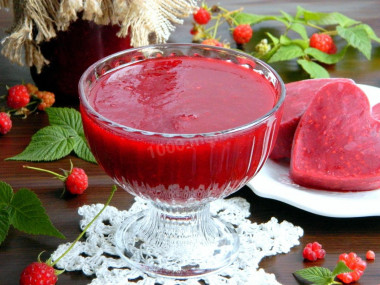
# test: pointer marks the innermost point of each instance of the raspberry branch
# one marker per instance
(44, 272)
(114, 188)
(311, 52)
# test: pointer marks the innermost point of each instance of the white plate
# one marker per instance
(273, 182)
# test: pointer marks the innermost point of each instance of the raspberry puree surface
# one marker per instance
(183, 95)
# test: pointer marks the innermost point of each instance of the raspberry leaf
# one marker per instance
(66, 118)
(82, 150)
(324, 57)
(341, 267)
(4, 224)
(6, 194)
(370, 32)
(24, 211)
(49, 143)
(286, 53)
(300, 29)
(315, 275)
(314, 69)
(28, 215)
(64, 136)
(358, 38)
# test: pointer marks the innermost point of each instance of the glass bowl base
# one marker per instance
(175, 242)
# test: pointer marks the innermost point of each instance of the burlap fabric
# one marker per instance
(36, 21)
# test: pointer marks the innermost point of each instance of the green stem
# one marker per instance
(59, 176)
(216, 28)
(311, 25)
(114, 188)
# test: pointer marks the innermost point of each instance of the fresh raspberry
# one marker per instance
(355, 263)
(202, 16)
(5, 123)
(212, 42)
(18, 97)
(333, 49)
(32, 89)
(38, 273)
(47, 99)
(242, 34)
(323, 43)
(77, 181)
(370, 255)
(313, 251)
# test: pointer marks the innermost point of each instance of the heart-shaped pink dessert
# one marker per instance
(337, 141)
(299, 94)
(376, 112)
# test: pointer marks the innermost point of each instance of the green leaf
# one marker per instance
(302, 43)
(65, 117)
(28, 215)
(82, 150)
(370, 32)
(299, 29)
(316, 275)
(287, 53)
(314, 69)
(334, 18)
(324, 57)
(299, 13)
(274, 39)
(341, 267)
(4, 224)
(6, 194)
(288, 17)
(358, 38)
(49, 143)
(285, 40)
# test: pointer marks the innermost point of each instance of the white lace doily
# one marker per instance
(97, 257)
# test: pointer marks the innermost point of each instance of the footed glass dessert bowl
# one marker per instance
(180, 125)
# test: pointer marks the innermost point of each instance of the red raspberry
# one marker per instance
(333, 49)
(77, 181)
(38, 273)
(355, 263)
(313, 251)
(323, 43)
(370, 255)
(242, 34)
(47, 99)
(202, 16)
(212, 42)
(5, 123)
(18, 97)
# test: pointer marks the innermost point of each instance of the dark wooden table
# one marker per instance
(336, 235)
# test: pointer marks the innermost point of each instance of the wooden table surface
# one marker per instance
(336, 235)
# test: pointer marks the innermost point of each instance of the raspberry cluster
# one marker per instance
(313, 251)
(242, 33)
(21, 100)
(356, 264)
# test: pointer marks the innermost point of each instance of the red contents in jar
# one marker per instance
(71, 52)
(181, 95)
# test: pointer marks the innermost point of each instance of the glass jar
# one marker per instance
(71, 52)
